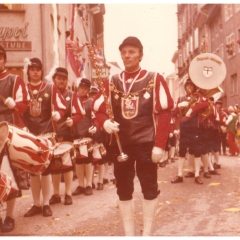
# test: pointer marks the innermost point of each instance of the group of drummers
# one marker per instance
(47, 132)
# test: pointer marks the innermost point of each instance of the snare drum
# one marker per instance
(62, 157)
(49, 136)
(83, 146)
(98, 151)
(5, 186)
(27, 151)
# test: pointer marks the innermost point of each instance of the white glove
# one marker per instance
(189, 112)
(111, 127)
(56, 116)
(69, 122)
(230, 118)
(157, 154)
(176, 132)
(92, 130)
(183, 104)
(10, 103)
(170, 135)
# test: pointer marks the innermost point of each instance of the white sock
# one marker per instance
(35, 184)
(210, 163)
(56, 178)
(197, 162)
(216, 157)
(89, 172)
(80, 174)
(100, 173)
(181, 162)
(46, 189)
(204, 158)
(68, 176)
(106, 170)
(10, 207)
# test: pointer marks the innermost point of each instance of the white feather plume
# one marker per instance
(51, 73)
(27, 62)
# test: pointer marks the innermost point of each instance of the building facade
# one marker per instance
(213, 28)
(55, 33)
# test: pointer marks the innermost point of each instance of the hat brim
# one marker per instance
(61, 74)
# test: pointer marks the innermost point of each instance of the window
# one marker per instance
(230, 45)
(238, 40)
(179, 30)
(8, 6)
(228, 11)
(234, 85)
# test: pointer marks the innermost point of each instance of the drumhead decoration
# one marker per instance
(3, 135)
(207, 70)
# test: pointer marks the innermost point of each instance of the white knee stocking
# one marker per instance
(35, 184)
(46, 189)
(68, 176)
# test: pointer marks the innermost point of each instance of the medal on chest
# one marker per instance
(35, 107)
(129, 106)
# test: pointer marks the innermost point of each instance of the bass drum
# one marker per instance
(26, 151)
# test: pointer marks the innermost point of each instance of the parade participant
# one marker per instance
(84, 129)
(14, 101)
(47, 106)
(140, 100)
(210, 138)
(73, 115)
(232, 132)
(193, 103)
(223, 134)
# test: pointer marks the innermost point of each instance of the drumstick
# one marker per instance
(3, 99)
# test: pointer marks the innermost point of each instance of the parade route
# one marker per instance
(184, 209)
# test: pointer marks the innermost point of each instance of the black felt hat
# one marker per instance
(61, 71)
(3, 52)
(85, 83)
(132, 41)
(35, 62)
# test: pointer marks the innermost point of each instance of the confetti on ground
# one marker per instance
(162, 181)
(168, 202)
(186, 170)
(232, 209)
(213, 184)
(25, 196)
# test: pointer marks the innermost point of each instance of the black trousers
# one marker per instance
(139, 163)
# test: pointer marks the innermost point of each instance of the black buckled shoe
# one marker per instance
(189, 175)
(216, 166)
(162, 164)
(214, 172)
(54, 199)
(100, 186)
(68, 200)
(79, 190)
(198, 180)
(34, 210)
(88, 191)
(177, 179)
(8, 225)
(206, 175)
(47, 211)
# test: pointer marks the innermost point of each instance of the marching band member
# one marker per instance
(83, 129)
(210, 138)
(232, 132)
(14, 101)
(189, 130)
(223, 134)
(141, 103)
(47, 106)
(73, 115)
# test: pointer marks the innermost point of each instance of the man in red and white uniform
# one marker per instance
(141, 103)
(73, 115)
(47, 106)
(14, 101)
